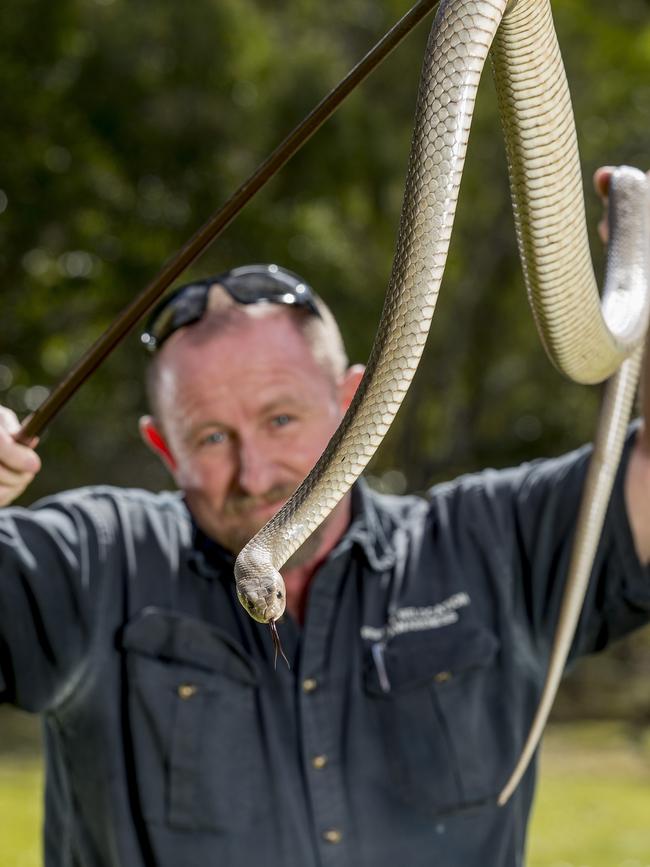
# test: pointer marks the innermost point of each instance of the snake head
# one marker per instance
(264, 598)
(261, 591)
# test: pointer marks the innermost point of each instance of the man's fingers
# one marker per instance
(602, 179)
(12, 484)
(18, 463)
(10, 479)
(15, 457)
(9, 420)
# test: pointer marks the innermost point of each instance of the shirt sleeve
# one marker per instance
(54, 560)
(526, 517)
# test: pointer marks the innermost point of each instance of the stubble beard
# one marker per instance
(239, 509)
(240, 505)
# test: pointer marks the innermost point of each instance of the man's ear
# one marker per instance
(349, 384)
(154, 440)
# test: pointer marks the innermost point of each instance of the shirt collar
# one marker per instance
(207, 557)
(367, 531)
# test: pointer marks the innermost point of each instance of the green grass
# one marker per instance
(592, 807)
(21, 790)
(20, 811)
(593, 802)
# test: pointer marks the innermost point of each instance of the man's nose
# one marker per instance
(256, 474)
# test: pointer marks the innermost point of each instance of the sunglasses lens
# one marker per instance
(183, 307)
(251, 284)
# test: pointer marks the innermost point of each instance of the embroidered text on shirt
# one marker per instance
(414, 619)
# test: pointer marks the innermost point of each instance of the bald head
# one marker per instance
(320, 334)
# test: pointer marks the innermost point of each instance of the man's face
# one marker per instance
(245, 415)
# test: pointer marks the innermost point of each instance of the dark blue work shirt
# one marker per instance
(171, 740)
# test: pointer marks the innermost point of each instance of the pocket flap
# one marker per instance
(176, 638)
(415, 658)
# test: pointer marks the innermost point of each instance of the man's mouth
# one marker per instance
(258, 507)
(268, 508)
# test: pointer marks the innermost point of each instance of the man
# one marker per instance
(418, 631)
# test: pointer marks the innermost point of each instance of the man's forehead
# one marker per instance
(260, 324)
(245, 343)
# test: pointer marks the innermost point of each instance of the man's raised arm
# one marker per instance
(637, 480)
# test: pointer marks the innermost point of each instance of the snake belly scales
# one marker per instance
(588, 337)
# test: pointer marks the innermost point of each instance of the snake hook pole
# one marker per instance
(215, 225)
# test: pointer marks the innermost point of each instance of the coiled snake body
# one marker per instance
(587, 337)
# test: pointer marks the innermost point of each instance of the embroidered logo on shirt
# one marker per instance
(414, 619)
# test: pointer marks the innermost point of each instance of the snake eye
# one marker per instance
(278, 595)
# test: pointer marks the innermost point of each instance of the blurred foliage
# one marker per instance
(126, 124)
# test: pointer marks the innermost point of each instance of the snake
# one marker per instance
(588, 335)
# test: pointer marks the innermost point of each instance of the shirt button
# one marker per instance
(332, 835)
(187, 690)
(319, 762)
(309, 684)
(442, 676)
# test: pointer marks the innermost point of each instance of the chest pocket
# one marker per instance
(436, 704)
(193, 712)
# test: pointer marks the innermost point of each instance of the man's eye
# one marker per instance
(281, 420)
(213, 438)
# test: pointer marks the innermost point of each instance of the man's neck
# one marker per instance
(298, 578)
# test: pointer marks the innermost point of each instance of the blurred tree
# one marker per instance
(126, 124)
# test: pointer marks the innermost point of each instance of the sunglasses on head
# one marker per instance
(249, 284)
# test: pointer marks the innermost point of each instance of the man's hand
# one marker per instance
(602, 177)
(18, 464)
(637, 481)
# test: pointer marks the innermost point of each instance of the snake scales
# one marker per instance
(587, 337)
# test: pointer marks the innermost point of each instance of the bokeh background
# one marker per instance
(123, 125)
